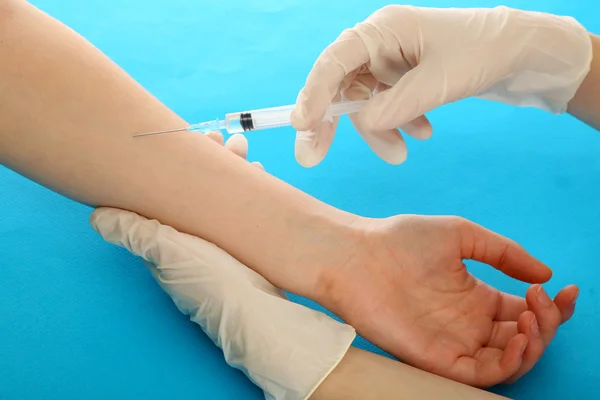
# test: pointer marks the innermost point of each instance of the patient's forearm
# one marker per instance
(67, 114)
(586, 103)
(362, 375)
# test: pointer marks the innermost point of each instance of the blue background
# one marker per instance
(82, 319)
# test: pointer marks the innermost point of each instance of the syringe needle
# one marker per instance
(159, 132)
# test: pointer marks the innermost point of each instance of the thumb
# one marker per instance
(419, 91)
(312, 146)
(483, 245)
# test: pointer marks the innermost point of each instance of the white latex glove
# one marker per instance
(284, 348)
(415, 59)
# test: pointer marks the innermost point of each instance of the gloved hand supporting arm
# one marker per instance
(283, 347)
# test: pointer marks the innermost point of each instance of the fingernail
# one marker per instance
(535, 329)
(542, 296)
(576, 296)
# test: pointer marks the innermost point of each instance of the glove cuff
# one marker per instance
(554, 58)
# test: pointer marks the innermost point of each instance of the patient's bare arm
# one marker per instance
(67, 115)
(586, 103)
(362, 375)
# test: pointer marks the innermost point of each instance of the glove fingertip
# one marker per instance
(306, 151)
(390, 149)
(100, 217)
(388, 144)
(124, 228)
(419, 128)
(394, 155)
(238, 144)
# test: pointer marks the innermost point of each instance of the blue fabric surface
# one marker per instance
(80, 318)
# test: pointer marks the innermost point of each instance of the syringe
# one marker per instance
(264, 118)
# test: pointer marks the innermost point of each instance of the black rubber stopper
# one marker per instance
(246, 122)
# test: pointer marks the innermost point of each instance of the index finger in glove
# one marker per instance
(347, 53)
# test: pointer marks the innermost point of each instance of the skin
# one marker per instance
(586, 103)
(359, 375)
(362, 375)
(66, 121)
(366, 376)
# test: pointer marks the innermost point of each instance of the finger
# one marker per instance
(419, 91)
(389, 145)
(490, 366)
(312, 146)
(480, 244)
(502, 333)
(130, 231)
(535, 346)
(216, 136)
(510, 307)
(258, 165)
(545, 310)
(419, 128)
(238, 144)
(156, 243)
(344, 55)
(565, 301)
(542, 331)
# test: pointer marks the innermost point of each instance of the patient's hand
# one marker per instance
(407, 290)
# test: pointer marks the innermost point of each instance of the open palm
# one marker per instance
(408, 291)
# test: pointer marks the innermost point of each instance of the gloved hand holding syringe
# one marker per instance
(264, 118)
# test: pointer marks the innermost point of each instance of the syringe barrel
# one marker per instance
(345, 107)
(233, 123)
(277, 117)
(266, 118)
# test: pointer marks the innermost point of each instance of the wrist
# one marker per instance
(321, 240)
(584, 104)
